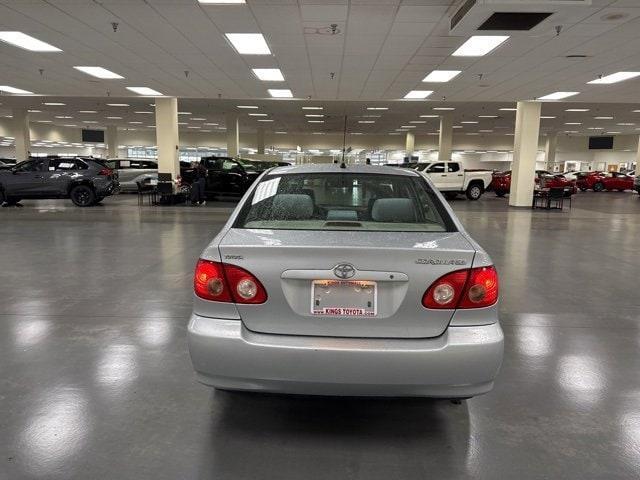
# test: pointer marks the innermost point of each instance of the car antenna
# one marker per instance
(344, 142)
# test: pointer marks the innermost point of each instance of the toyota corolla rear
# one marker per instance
(353, 281)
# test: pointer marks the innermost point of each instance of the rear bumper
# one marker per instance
(462, 362)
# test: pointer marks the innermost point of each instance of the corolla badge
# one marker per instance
(344, 271)
(441, 261)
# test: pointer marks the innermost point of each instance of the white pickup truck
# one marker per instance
(451, 179)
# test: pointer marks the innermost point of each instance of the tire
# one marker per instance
(474, 191)
(82, 196)
(598, 187)
(450, 195)
(500, 193)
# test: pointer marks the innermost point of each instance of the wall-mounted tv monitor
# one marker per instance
(600, 143)
(93, 136)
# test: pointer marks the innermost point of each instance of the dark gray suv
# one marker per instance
(86, 181)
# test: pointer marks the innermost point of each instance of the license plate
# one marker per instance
(344, 298)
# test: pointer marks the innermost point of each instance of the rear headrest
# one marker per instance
(393, 210)
(292, 206)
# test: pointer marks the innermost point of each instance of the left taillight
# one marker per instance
(463, 289)
(107, 172)
(222, 282)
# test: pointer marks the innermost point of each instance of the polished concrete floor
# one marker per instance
(95, 378)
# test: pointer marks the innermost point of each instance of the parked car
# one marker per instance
(452, 179)
(320, 283)
(501, 182)
(588, 180)
(225, 175)
(5, 166)
(85, 181)
(636, 183)
(132, 172)
(616, 181)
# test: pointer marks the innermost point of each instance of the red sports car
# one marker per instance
(617, 181)
(501, 182)
(588, 180)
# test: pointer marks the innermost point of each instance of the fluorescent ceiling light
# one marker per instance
(377, 108)
(446, 109)
(613, 133)
(281, 133)
(508, 109)
(27, 42)
(8, 89)
(43, 121)
(89, 121)
(315, 121)
(114, 118)
(407, 126)
(257, 114)
(458, 126)
(418, 94)
(430, 116)
(595, 128)
(316, 115)
(62, 116)
(573, 123)
(479, 45)
(140, 112)
(487, 116)
(117, 104)
(146, 91)
(577, 110)
(195, 128)
(55, 104)
(198, 119)
(210, 124)
(558, 95)
(268, 74)
(625, 124)
(417, 121)
(87, 111)
(265, 120)
(222, 2)
(185, 113)
(603, 118)
(312, 108)
(249, 43)
(280, 93)
(614, 78)
(99, 72)
(485, 131)
(366, 121)
(441, 76)
(469, 121)
(546, 117)
(247, 106)
(135, 123)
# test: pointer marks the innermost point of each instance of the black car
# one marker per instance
(7, 163)
(86, 181)
(225, 175)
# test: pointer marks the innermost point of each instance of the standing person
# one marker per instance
(368, 161)
(199, 184)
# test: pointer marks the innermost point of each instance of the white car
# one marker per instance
(452, 179)
(345, 281)
(133, 172)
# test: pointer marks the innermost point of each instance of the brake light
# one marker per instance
(106, 172)
(471, 288)
(222, 282)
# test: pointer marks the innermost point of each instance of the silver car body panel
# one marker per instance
(405, 349)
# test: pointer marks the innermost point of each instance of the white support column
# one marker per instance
(167, 136)
(446, 138)
(638, 157)
(233, 135)
(525, 150)
(260, 135)
(21, 133)
(550, 150)
(410, 142)
(112, 141)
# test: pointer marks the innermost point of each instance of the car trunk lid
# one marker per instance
(391, 270)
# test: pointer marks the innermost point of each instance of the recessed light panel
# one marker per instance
(479, 45)
(27, 42)
(614, 78)
(14, 90)
(145, 91)
(418, 94)
(441, 76)
(249, 43)
(99, 72)
(268, 74)
(280, 93)
(558, 95)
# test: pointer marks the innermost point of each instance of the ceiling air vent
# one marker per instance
(514, 20)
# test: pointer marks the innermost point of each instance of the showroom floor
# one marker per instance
(96, 380)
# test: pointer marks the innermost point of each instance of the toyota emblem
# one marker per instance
(344, 271)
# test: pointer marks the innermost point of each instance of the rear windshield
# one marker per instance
(344, 201)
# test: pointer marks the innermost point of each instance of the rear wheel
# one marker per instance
(82, 196)
(474, 192)
(598, 187)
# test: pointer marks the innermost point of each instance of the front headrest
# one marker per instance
(393, 210)
(292, 206)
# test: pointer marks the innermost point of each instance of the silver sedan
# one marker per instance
(345, 281)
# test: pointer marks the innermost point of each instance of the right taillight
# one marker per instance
(471, 288)
(222, 282)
